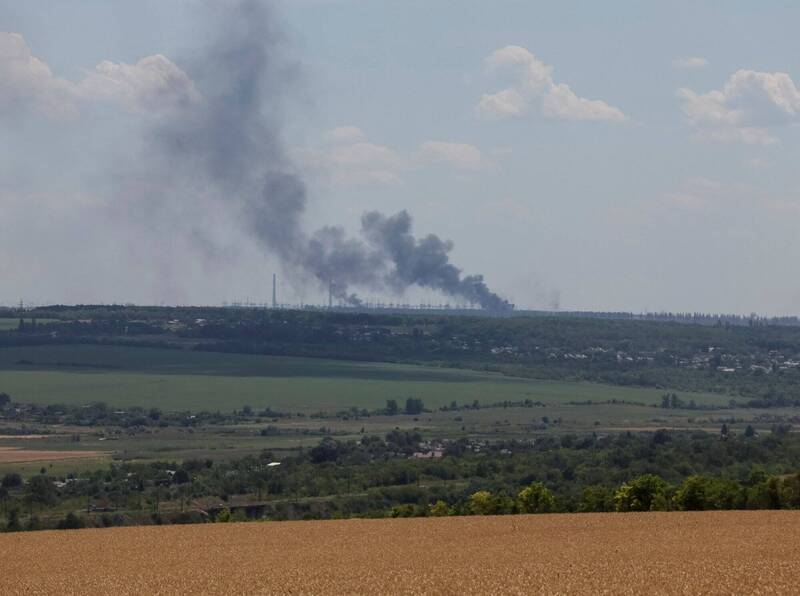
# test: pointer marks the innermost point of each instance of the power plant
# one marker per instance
(368, 306)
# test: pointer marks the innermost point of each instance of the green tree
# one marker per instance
(404, 510)
(596, 498)
(727, 494)
(414, 406)
(13, 524)
(693, 494)
(790, 492)
(641, 494)
(327, 450)
(12, 480)
(41, 491)
(392, 408)
(765, 495)
(71, 522)
(536, 498)
(480, 503)
(439, 509)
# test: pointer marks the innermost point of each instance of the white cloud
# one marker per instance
(748, 105)
(28, 83)
(535, 88)
(349, 159)
(561, 103)
(508, 102)
(149, 84)
(689, 63)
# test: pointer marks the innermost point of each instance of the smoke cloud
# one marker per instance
(229, 144)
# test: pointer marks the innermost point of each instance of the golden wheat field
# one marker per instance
(652, 553)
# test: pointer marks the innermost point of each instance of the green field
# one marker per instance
(13, 324)
(9, 324)
(186, 380)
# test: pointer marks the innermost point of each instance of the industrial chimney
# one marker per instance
(274, 291)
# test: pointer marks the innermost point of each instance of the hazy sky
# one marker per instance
(621, 155)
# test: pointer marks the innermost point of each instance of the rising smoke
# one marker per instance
(229, 142)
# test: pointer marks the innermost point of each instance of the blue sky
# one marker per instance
(600, 185)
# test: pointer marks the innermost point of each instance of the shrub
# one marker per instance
(406, 510)
(12, 480)
(71, 522)
(439, 509)
(693, 494)
(480, 503)
(536, 498)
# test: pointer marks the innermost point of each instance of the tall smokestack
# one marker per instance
(330, 293)
(274, 291)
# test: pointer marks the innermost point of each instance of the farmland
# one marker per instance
(314, 390)
(186, 380)
(11, 324)
(653, 553)
(14, 455)
(125, 416)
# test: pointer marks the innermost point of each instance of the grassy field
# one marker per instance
(648, 553)
(13, 324)
(225, 442)
(185, 380)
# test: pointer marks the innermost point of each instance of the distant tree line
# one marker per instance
(399, 475)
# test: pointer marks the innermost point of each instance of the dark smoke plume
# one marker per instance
(424, 262)
(230, 144)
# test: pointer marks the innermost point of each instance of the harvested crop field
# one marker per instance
(653, 553)
(14, 455)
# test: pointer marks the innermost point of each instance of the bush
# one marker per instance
(439, 509)
(645, 493)
(12, 480)
(536, 499)
(402, 511)
(484, 503)
(33, 524)
(596, 499)
(480, 503)
(13, 524)
(71, 522)
(693, 494)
